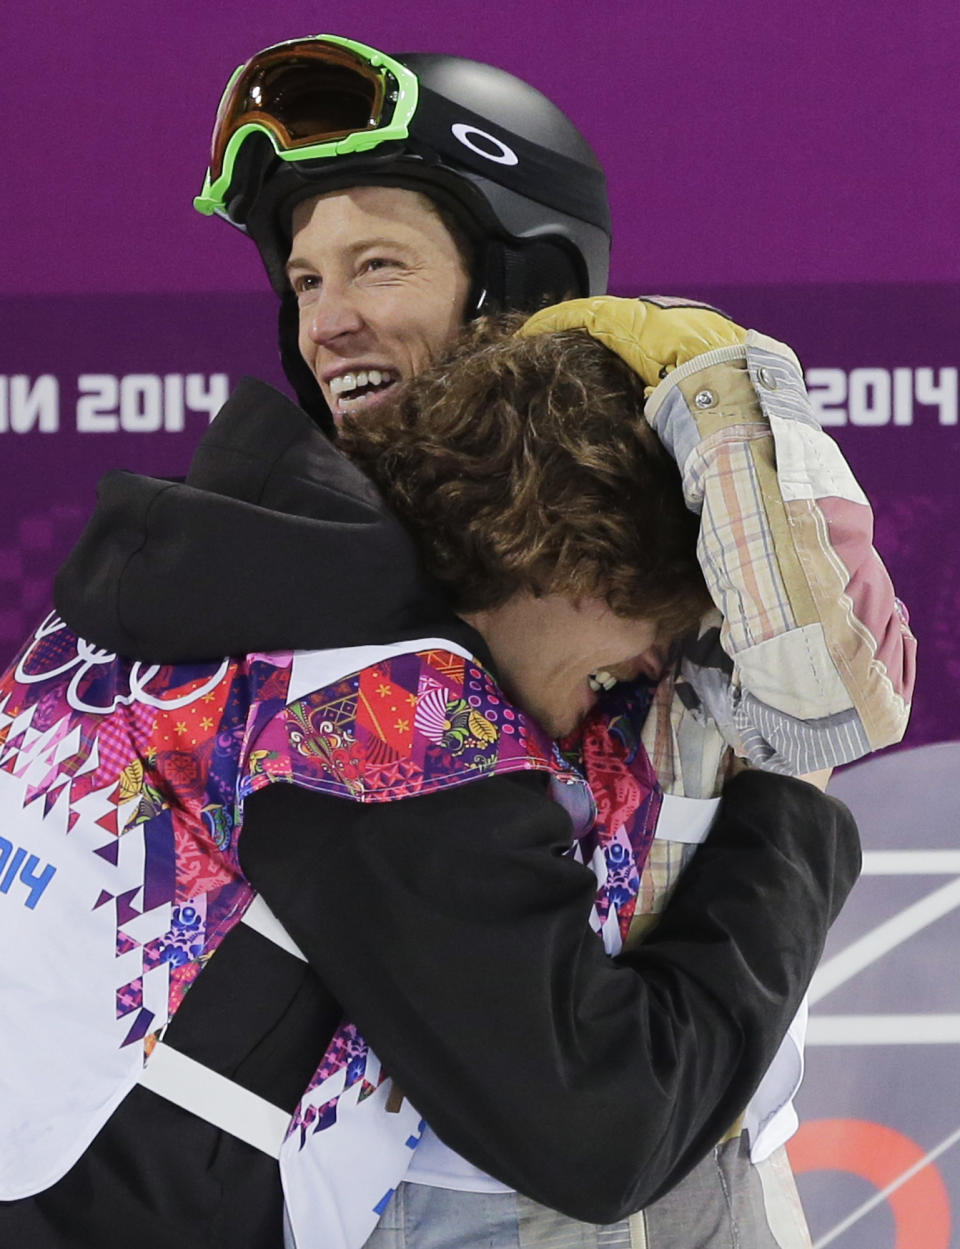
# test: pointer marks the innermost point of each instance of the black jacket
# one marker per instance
(591, 1084)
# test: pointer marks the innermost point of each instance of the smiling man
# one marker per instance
(381, 287)
(495, 198)
(582, 648)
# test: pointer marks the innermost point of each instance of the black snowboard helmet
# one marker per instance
(499, 159)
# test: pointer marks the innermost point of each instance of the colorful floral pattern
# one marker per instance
(410, 724)
(154, 751)
(625, 789)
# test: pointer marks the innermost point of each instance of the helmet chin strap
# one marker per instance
(298, 374)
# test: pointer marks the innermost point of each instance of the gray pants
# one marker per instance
(725, 1203)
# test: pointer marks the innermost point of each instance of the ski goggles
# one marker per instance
(313, 97)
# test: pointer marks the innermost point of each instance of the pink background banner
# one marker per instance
(794, 163)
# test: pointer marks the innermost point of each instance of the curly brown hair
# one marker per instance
(526, 464)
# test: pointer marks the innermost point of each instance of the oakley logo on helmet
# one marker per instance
(503, 155)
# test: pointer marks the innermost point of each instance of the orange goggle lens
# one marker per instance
(304, 93)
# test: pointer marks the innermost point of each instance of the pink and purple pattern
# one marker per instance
(411, 724)
(149, 749)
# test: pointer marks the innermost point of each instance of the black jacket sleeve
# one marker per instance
(453, 930)
(269, 497)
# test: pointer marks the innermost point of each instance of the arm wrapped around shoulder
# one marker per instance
(812, 662)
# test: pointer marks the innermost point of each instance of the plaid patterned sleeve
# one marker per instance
(811, 661)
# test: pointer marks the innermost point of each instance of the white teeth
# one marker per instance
(601, 680)
(346, 381)
(354, 381)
